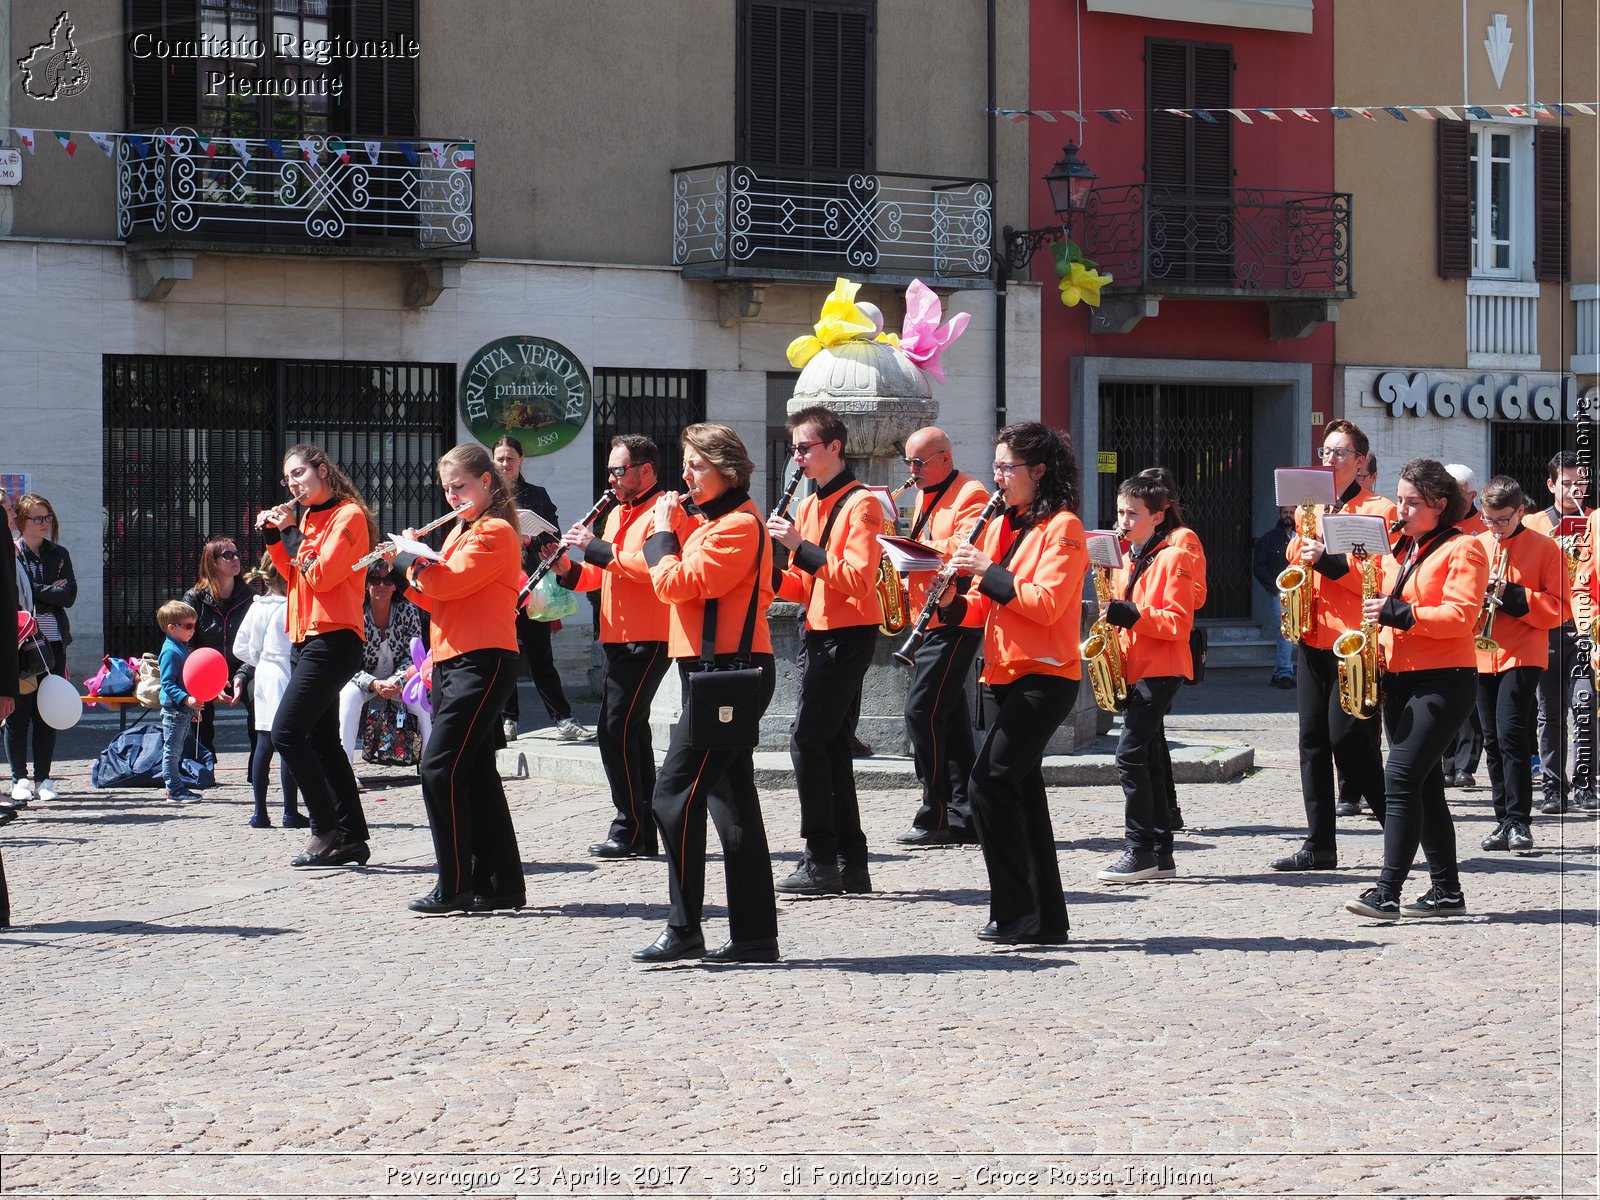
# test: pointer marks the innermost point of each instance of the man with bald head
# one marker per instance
(938, 724)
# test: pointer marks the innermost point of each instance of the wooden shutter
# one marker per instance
(1188, 153)
(162, 91)
(1211, 87)
(806, 90)
(1552, 207)
(1166, 135)
(1453, 151)
(384, 100)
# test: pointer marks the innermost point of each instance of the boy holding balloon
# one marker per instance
(180, 709)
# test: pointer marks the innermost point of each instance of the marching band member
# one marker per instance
(1566, 691)
(633, 637)
(833, 573)
(470, 595)
(1154, 614)
(1327, 733)
(938, 722)
(1461, 755)
(1528, 574)
(723, 557)
(1027, 593)
(326, 627)
(1433, 589)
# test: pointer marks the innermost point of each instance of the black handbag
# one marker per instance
(724, 708)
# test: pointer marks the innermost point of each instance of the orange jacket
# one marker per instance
(1157, 643)
(1545, 521)
(614, 562)
(716, 561)
(328, 593)
(1030, 609)
(1439, 605)
(1185, 538)
(1472, 524)
(1334, 606)
(471, 595)
(951, 516)
(846, 570)
(1534, 564)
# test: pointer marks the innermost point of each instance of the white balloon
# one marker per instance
(58, 703)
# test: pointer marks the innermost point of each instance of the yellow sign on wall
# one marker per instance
(1108, 462)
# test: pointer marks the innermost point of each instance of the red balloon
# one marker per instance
(205, 674)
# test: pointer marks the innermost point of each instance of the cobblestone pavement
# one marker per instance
(185, 1015)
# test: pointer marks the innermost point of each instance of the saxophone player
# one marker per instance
(1328, 735)
(1527, 580)
(1431, 593)
(938, 723)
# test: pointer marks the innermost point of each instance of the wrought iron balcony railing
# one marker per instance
(730, 221)
(1245, 242)
(386, 195)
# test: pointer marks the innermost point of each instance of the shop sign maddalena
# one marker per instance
(1470, 395)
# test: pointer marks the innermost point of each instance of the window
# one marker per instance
(1494, 201)
(805, 84)
(297, 93)
(1501, 216)
(1189, 163)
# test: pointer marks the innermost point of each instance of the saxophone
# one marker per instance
(1360, 665)
(1102, 653)
(892, 595)
(1491, 604)
(1294, 584)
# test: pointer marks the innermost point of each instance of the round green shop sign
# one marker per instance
(532, 388)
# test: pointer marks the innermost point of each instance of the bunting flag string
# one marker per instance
(1548, 110)
(247, 149)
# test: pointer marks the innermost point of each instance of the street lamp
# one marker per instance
(1070, 182)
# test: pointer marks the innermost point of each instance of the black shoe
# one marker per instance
(1436, 903)
(1011, 932)
(436, 902)
(7, 814)
(751, 950)
(1166, 865)
(316, 858)
(1584, 799)
(1304, 860)
(351, 852)
(918, 838)
(855, 880)
(1283, 683)
(1347, 808)
(811, 878)
(1131, 866)
(1450, 779)
(1518, 839)
(497, 903)
(1498, 840)
(1376, 903)
(296, 820)
(1554, 803)
(678, 941)
(611, 848)
(858, 748)
(1174, 819)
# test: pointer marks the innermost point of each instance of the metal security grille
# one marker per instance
(1202, 435)
(194, 447)
(657, 404)
(1523, 450)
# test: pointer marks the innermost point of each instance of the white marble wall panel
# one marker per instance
(19, 266)
(254, 282)
(208, 285)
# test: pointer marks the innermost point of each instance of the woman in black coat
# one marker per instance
(221, 599)
(54, 588)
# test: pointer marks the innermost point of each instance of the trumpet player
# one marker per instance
(1431, 592)
(832, 571)
(1327, 733)
(1025, 591)
(1527, 580)
(1566, 691)
(938, 722)
(1154, 614)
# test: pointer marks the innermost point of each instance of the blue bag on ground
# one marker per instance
(133, 759)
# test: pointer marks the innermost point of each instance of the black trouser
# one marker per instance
(534, 639)
(633, 672)
(1009, 806)
(261, 775)
(833, 662)
(1506, 704)
(1145, 765)
(1421, 711)
(939, 725)
(25, 717)
(306, 732)
(5, 897)
(1461, 755)
(473, 840)
(1566, 706)
(723, 782)
(1329, 734)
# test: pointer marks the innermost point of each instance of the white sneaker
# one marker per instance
(571, 731)
(47, 791)
(508, 726)
(22, 791)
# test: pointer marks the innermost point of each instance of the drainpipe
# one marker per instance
(1002, 272)
(5, 121)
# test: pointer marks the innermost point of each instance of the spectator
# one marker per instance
(1271, 548)
(179, 710)
(47, 570)
(263, 646)
(392, 623)
(221, 601)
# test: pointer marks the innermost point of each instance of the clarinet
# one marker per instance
(547, 561)
(788, 495)
(942, 580)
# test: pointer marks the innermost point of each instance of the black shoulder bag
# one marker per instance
(723, 711)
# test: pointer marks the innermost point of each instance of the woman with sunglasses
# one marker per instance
(221, 601)
(46, 568)
(392, 624)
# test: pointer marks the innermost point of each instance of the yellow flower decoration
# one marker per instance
(1081, 283)
(841, 321)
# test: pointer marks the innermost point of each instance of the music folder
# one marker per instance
(531, 524)
(1105, 548)
(1304, 485)
(908, 556)
(1352, 531)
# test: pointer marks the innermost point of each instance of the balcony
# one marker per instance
(1291, 249)
(730, 222)
(1586, 350)
(1502, 325)
(179, 194)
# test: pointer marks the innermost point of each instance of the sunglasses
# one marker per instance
(183, 624)
(230, 555)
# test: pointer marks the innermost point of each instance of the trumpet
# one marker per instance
(1491, 604)
(548, 559)
(1101, 652)
(892, 596)
(788, 495)
(1294, 585)
(942, 580)
(386, 547)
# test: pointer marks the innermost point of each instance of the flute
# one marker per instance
(547, 561)
(942, 580)
(788, 495)
(385, 547)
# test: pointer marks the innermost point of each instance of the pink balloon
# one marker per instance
(205, 674)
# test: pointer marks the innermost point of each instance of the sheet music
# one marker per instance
(531, 524)
(1351, 531)
(1304, 485)
(405, 545)
(907, 556)
(1105, 548)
